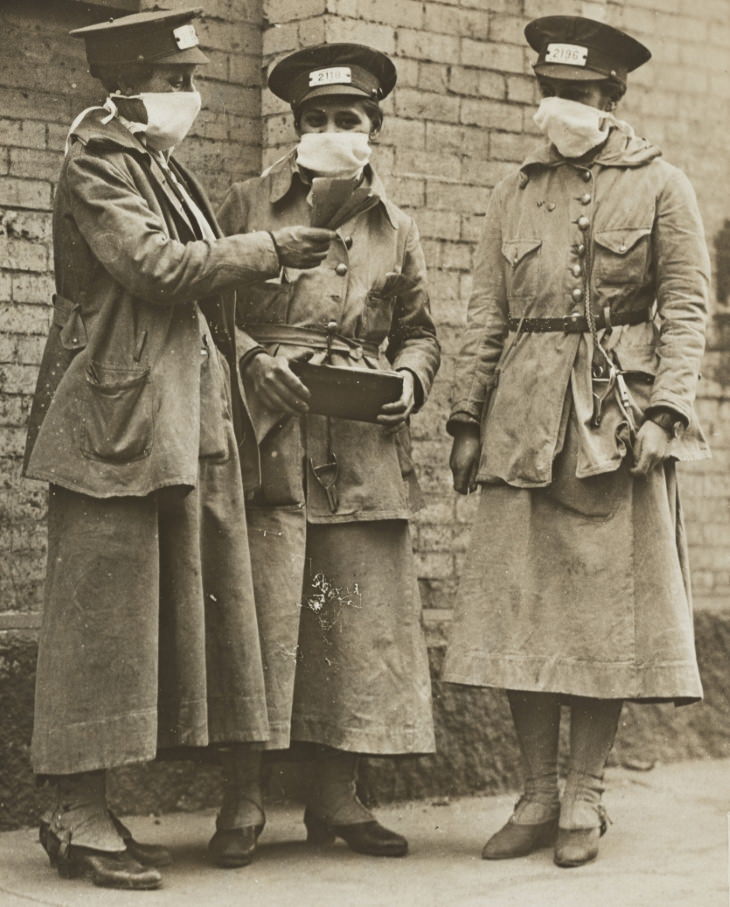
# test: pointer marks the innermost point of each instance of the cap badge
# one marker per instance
(569, 54)
(335, 75)
(185, 36)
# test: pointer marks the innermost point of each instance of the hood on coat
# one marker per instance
(620, 150)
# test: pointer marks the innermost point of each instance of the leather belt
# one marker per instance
(312, 337)
(577, 324)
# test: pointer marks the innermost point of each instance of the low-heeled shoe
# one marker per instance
(234, 847)
(514, 840)
(576, 846)
(144, 854)
(363, 837)
(107, 870)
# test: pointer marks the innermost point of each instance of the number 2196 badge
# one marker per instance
(572, 54)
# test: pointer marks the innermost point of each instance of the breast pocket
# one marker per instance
(117, 418)
(523, 259)
(622, 255)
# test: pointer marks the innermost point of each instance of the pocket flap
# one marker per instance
(622, 240)
(514, 250)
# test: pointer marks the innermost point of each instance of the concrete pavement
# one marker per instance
(668, 845)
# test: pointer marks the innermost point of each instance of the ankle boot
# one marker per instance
(334, 810)
(82, 840)
(241, 817)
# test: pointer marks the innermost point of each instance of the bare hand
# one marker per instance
(276, 385)
(393, 415)
(464, 461)
(650, 449)
(302, 247)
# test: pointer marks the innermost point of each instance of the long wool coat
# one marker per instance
(149, 637)
(336, 588)
(577, 579)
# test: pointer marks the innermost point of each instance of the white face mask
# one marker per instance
(334, 154)
(170, 114)
(572, 127)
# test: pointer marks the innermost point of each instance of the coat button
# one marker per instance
(348, 242)
(586, 199)
(583, 223)
(576, 270)
(341, 269)
(587, 176)
(580, 250)
(577, 293)
(551, 206)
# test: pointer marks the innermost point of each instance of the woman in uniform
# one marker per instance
(149, 642)
(573, 397)
(334, 574)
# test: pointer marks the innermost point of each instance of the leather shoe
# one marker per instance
(144, 854)
(233, 847)
(105, 869)
(513, 840)
(576, 846)
(363, 837)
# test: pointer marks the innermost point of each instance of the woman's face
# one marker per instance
(163, 78)
(591, 93)
(334, 114)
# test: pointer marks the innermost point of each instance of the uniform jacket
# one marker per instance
(623, 231)
(373, 284)
(117, 406)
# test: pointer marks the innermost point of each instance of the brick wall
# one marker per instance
(459, 119)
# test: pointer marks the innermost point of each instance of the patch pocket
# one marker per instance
(522, 255)
(117, 418)
(622, 255)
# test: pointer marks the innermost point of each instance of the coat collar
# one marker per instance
(620, 150)
(284, 173)
(94, 133)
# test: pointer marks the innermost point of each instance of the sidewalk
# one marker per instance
(668, 846)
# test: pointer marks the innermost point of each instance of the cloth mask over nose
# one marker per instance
(575, 128)
(334, 154)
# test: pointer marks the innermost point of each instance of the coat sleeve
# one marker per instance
(131, 241)
(682, 287)
(412, 342)
(486, 325)
(233, 217)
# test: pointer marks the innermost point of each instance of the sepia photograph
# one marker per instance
(365, 453)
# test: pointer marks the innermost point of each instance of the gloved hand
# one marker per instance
(276, 385)
(302, 247)
(464, 461)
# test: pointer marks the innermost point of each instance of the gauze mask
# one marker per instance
(334, 154)
(573, 128)
(170, 114)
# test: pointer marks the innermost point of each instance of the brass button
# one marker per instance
(348, 242)
(576, 270)
(580, 250)
(577, 293)
(583, 223)
(341, 269)
(551, 206)
(586, 199)
(622, 247)
(587, 176)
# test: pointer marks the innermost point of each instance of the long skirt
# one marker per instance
(149, 638)
(341, 632)
(579, 588)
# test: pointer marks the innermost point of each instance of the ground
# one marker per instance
(668, 845)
